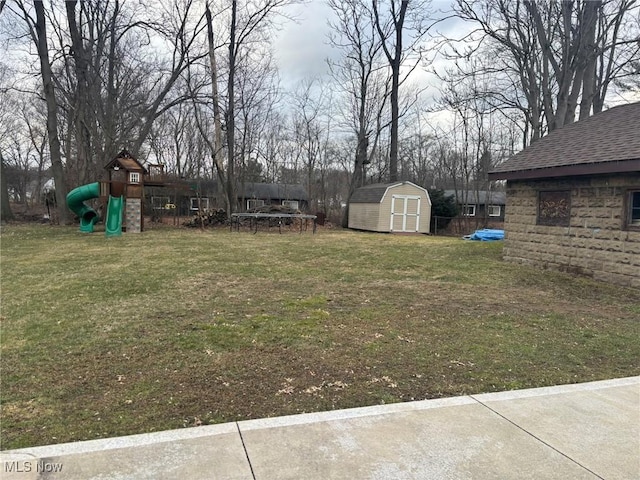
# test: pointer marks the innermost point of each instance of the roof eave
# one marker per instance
(620, 166)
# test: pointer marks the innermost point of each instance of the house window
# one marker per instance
(199, 203)
(292, 204)
(134, 177)
(469, 210)
(634, 209)
(554, 208)
(254, 203)
(159, 203)
(495, 210)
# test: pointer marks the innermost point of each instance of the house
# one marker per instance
(255, 195)
(573, 198)
(481, 204)
(390, 207)
(186, 197)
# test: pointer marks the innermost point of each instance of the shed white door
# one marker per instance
(405, 213)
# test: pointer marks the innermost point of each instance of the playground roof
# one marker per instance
(126, 161)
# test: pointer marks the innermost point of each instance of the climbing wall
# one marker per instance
(133, 215)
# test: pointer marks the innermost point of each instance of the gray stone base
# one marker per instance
(133, 215)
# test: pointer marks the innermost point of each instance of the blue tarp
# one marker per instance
(486, 235)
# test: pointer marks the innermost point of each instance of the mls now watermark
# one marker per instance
(29, 466)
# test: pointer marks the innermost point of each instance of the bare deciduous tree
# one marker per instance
(360, 76)
(248, 23)
(309, 129)
(401, 27)
(38, 32)
(559, 55)
(116, 85)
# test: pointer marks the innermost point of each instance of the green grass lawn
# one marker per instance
(175, 328)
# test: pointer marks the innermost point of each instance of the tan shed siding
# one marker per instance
(364, 216)
(384, 220)
(593, 244)
(425, 215)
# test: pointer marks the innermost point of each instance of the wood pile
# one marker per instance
(207, 218)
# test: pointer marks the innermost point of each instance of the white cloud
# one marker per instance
(301, 48)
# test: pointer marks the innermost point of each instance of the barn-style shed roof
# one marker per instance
(607, 142)
(375, 193)
(370, 193)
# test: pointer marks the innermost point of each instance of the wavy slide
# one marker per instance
(113, 223)
(88, 216)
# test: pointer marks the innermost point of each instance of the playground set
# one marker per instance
(122, 193)
(124, 198)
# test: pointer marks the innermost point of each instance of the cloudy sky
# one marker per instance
(301, 47)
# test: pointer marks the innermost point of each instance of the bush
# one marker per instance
(442, 206)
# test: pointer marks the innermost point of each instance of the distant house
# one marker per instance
(255, 195)
(479, 204)
(390, 207)
(573, 198)
(185, 197)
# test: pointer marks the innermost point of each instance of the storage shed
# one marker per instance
(398, 207)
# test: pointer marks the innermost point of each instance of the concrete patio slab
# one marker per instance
(212, 452)
(459, 440)
(595, 424)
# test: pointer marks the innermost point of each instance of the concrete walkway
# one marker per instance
(583, 431)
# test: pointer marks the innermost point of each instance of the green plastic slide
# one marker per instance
(75, 201)
(113, 224)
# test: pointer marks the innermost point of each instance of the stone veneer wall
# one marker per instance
(594, 244)
(133, 215)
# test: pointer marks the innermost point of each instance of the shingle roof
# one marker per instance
(479, 198)
(602, 140)
(125, 160)
(375, 192)
(370, 193)
(273, 191)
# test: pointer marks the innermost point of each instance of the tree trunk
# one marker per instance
(589, 56)
(395, 86)
(81, 104)
(357, 179)
(5, 213)
(231, 190)
(395, 60)
(109, 133)
(395, 112)
(217, 151)
(57, 167)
